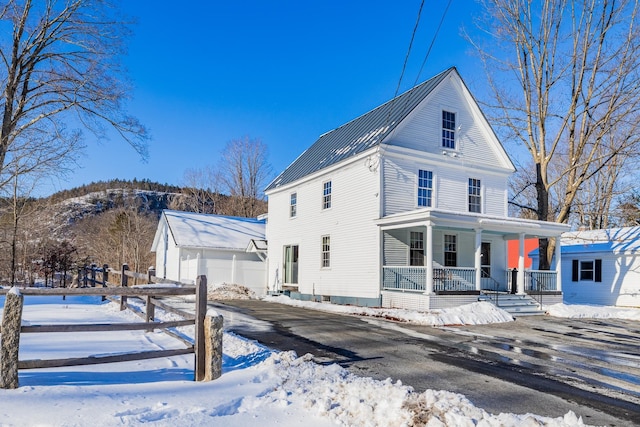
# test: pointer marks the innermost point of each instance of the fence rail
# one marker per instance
(95, 281)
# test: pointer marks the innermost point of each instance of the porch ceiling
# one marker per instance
(468, 221)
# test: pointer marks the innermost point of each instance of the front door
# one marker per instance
(485, 266)
(291, 264)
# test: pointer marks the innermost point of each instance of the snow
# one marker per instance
(593, 312)
(258, 386)
(196, 230)
(477, 313)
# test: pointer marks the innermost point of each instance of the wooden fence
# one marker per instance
(207, 345)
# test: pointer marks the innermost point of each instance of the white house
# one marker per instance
(404, 206)
(225, 249)
(601, 267)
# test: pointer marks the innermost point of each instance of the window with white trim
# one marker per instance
(290, 264)
(293, 205)
(416, 248)
(425, 187)
(586, 270)
(326, 195)
(448, 129)
(450, 250)
(475, 197)
(326, 251)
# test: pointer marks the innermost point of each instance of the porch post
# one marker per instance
(478, 259)
(558, 263)
(429, 253)
(520, 276)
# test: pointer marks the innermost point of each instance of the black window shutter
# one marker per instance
(598, 270)
(574, 274)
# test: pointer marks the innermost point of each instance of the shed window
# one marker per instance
(586, 270)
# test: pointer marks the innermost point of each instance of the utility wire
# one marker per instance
(432, 42)
(406, 58)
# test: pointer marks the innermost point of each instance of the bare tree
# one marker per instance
(565, 79)
(60, 65)
(199, 192)
(242, 172)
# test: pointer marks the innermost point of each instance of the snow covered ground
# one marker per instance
(258, 385)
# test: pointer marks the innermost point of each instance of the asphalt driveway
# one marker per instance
(542, 365)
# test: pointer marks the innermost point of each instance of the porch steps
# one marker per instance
(516, 305)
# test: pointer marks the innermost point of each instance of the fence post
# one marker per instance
(213, 353)
(151, 274)
(10, 339)
(93, 275)
(150, 312)
(105, 278)
(201, 311)
(85, 279)
(124, 282)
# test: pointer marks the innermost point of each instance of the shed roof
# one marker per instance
(189, 229)
(612, 240)
(358, 135)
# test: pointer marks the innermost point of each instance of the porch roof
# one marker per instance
(462, 220)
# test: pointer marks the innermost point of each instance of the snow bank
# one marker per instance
(477, 313)
(593, 312)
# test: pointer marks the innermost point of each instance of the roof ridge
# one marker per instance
(357, 135)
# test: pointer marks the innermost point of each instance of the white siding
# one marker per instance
(450, 186)
(620, 281)
(355, 239)
(423, 130)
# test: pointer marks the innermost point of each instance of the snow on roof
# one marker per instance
(196, 230)
(614, 240)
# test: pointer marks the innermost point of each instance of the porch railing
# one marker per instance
(536, 280)
(404, 278)
(540, 280)
(414, 279)
(454, 279)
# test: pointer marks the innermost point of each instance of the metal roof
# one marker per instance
(358, 135)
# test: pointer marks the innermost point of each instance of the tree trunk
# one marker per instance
(543, 215)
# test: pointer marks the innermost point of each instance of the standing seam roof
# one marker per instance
(358, 135)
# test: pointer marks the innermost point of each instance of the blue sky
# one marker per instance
(206, 72)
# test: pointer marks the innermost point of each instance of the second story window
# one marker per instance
(448, 129)
(293, 205)
(475, 198)
(425, 187)
(326, 195)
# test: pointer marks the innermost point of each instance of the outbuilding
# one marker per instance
(601, 267)
(226, 249)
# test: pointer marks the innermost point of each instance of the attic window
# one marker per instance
(448, 129)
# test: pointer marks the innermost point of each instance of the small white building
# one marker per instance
(601, 267)
(404, 206)
(225, 249)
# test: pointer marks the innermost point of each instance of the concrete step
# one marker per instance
(516, 305)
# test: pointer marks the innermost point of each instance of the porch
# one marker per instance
(453, 280)
(442, 258)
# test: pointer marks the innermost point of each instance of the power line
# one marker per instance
(406, 58)
(432, 41)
